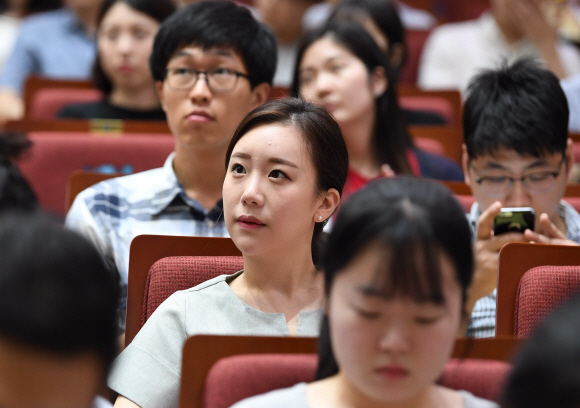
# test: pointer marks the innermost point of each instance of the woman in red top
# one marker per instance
(340, 67)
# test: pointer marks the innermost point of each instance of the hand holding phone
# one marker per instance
(514, 219)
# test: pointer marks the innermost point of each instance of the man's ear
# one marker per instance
(569, 154)
(465, 165)
(261, 93)
(327, 205)
(379, 82)
(159, 89)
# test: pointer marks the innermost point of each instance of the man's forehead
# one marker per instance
(198, 51)
(511, 159)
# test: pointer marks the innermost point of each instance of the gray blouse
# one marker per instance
(295, 397)
(148, 371)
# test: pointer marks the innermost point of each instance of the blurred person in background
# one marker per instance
(11, 14)
(55, 44)
(126, 30)
(512, 29)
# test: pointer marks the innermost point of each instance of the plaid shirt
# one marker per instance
(113, 212)
(482, 323)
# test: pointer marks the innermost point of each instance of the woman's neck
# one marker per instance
(281, 282)
(143, 99)
(339, 391)
(359, 136)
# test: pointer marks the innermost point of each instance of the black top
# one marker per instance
(104, 110)
(422, 117)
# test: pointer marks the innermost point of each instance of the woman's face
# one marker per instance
(330, 75)
(270, 195)
(125, 40)
(390, 350)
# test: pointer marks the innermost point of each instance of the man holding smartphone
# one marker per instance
(516, 154)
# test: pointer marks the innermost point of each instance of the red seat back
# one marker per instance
(541, 290)
(415, 41)
(234, 378)
(48, 102)
(168, 275)
(55, 156)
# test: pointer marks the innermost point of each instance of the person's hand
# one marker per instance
(486, 252)
(533, 23)
(551, 234)
(387, 171)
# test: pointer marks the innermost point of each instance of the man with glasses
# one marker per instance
(213, 63)
(516, 154)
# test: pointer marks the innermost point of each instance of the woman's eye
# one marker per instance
(336, 67)
(238, 169)
(278, 174)
(140, 34)
(368, 314)
(426, 320)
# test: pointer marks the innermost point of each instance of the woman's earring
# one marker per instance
(320, 218)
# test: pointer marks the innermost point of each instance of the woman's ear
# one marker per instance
(379, 82)
(327, 204)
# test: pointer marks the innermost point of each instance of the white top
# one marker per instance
(455, 52)
(148, 371)
(412, 18)
(295, 397)
(571, 87)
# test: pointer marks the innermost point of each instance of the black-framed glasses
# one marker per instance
(534, 183)
(217, 79)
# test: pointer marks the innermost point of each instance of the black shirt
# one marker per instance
(104, 110)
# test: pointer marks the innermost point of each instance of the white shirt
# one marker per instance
(455, 52)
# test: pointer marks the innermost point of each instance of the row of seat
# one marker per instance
(533, 279)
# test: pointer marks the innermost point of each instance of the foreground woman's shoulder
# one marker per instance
(471, 401)
(293, 397)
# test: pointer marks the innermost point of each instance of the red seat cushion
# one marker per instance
(168, 275)
(541, 290)
(234, 378)
(440, 106)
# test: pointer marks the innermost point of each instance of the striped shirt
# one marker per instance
(482, 323)
(115, 211)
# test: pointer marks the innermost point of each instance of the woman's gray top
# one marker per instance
(148, 371)
(295, 397)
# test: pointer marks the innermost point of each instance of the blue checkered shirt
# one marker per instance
(115, 211)
(482, 323)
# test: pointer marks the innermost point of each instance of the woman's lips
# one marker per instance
(393, 372)
(249, 222)
(126, 69)
(199, 116)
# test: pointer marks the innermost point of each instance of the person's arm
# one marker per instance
(534, 24)
(11, 105)
(486, 253)
(122, 402)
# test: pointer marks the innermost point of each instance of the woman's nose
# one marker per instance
(396, 339)
(253, 194)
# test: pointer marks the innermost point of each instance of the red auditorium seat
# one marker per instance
(541, 290)
(553, 276)
(55, 156)
(168, 275)
(147, 249)
(234, 378)
(202, 352)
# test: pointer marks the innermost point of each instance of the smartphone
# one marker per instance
(514, 219)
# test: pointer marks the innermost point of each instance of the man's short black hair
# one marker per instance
(56, 293)
(210, 24)
(519, 107)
